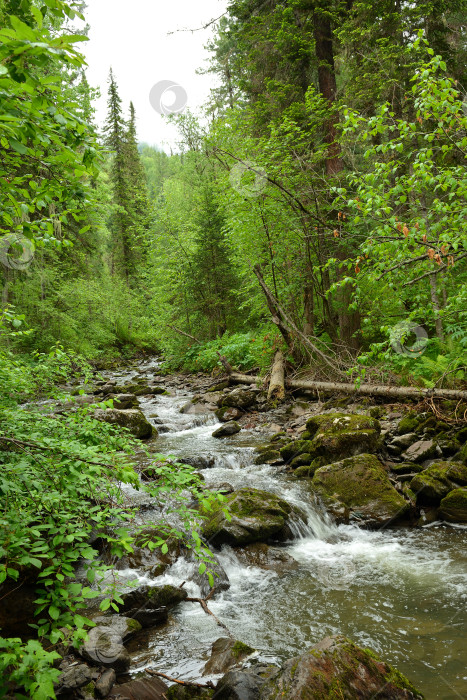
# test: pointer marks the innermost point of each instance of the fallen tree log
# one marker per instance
(405, 392)
(276, 390)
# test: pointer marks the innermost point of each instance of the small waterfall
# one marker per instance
(401, 592)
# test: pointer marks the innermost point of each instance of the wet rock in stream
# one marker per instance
(255, 516)
(132, 419)
(149, 604)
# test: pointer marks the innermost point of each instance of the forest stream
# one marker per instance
(398, 591)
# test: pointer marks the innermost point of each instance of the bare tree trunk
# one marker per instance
(276, 385)
(406, 392)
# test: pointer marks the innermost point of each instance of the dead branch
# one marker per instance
(202, 602)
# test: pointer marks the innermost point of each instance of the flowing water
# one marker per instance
(401, 592)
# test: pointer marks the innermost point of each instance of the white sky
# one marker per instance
(132, 37)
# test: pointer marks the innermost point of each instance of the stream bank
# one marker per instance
(398, 590)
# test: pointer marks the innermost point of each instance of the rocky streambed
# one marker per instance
(348, 523)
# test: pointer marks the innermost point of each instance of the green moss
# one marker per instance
(408, 423)
(267, 456)
(295, 448)
(241, 649)
(454, 506)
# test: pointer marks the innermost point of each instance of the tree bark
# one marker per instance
(288, 327)
(276, 385)
(405, 392)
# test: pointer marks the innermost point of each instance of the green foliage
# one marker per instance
(243, 350)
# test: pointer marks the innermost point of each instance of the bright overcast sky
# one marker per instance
(133, 37)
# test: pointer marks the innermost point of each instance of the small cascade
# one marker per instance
(401, 592)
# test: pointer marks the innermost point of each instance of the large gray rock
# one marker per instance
(255, 516)
(238, 398)
(262, 556)
(226, 653)
(149, 604)
(72, 678)
(230, 428)
(105, 647)
(132, 419)
(141, 689)
(358, 489)
(421, 450)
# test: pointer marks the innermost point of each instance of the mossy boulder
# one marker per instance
(230, 428)
(238, 398)
(256, 516)
(453, 507)
(335, 436)
(309, 470)
(406, 468)
(226, 653)
(148, 604)
(132, 419)
(462, 455)
(408, 423)
(295, 448)
(228, 413)
(433, 484)
(358, 489)
(268, 457)
(337, 668)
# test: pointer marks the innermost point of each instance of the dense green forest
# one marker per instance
(317, 205)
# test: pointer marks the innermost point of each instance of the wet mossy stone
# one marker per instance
(226, 653)
(408, 423)
(433, 484)
(462, 455)
(309, 470)
(238, 398)
(145, 598)
(230, 428)
(295, 448)
(406, 468)
(337, 668)
(256, 516)
(358, 489)
(132, 419)
(268, 457)
(453, 507)
(301, 461)
(338, 435)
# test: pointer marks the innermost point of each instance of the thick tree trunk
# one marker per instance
(276, 385)
(403, 392)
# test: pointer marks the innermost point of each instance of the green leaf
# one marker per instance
(54, 612)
